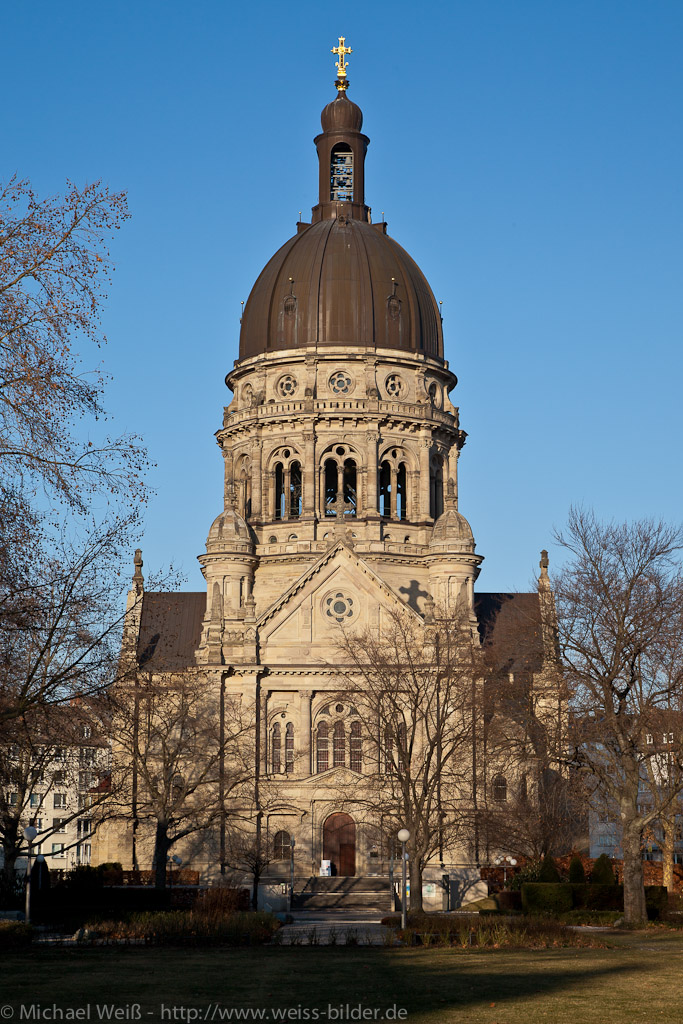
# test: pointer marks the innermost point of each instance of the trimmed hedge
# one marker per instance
(598, 897)
(547, 897)
(553, 898)
(509, 901)
(657, 901)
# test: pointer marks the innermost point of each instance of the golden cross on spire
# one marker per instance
(341, 64)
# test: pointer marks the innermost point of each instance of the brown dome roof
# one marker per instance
(341, 282)
(341, 115)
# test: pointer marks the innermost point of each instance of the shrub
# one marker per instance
(577, 875)
(509, 901)
(657, 901)
(222, 900)
(111, 873)
(598, 897)
(550, 898)
(529, 873)
(14, 934)
(549, 872)
(602, 873)
(189, 928)
(496, 932)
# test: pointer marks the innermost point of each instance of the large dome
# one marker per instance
(341, 282)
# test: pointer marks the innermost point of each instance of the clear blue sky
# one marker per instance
(528, 155)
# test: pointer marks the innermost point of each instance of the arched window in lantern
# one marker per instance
(341, 174)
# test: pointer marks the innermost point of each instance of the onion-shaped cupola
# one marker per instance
(341, 280)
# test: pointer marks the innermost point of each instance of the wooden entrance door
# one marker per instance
(339, 843)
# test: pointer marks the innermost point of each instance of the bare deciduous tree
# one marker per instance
(54, 265)
(414, 690)
(620, 620)
(173, 764)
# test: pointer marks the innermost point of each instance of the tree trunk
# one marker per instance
(635, 911)
(415, 868)
(669, 830)
(254, 888)
(161, 848)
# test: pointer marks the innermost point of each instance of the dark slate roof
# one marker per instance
(511, 625)
(170, 629)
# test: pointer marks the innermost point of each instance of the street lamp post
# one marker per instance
(292, 844)
(30, 834)
(505, 861)
(403, 837)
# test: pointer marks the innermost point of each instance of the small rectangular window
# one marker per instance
(648, 738)
(35, 800)
(59, 824)
(58, 849)
(59, 801)
(671, 737)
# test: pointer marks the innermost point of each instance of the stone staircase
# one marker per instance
(362, 892)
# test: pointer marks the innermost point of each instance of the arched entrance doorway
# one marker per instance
(339, 843)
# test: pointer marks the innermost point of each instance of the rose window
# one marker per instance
(340, 383)
(339, 606)
(395, 386)
(287, 385)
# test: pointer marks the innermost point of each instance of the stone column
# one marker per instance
(228, 471)
(256, 478)
(263, 735)
(308, 476)
(393, 513)
(425, 449)
(371, 492)
(305, 700)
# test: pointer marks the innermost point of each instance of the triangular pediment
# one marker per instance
(339, 590)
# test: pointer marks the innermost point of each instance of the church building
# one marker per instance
(340, 451)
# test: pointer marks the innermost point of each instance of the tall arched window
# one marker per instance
(322, 747)
(280, 507)
(339, 748)
(330, 487)
(435, 486)
(356, 748)
(276, 748)
(401, 510)
(289, 748)
(385, 489)
(341, 174)
(341, 498)
(295, 489)
(282, 845)
(500, 789)
(350, 487)
(243, 482)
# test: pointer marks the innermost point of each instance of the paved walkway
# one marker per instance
(334, 927)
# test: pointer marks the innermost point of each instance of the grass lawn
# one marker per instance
(637, 979)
